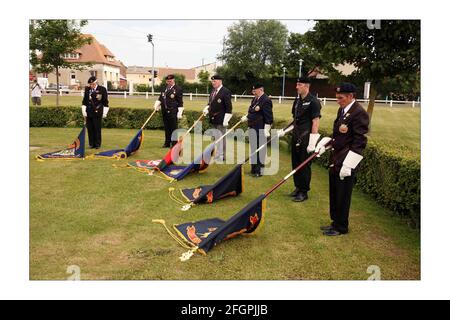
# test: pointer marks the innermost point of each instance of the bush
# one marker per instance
(392, 178)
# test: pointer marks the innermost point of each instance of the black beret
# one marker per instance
(346, 88)
(257, 86)
(92, 79)
(170, 77)
(304, 80)
(216, 77)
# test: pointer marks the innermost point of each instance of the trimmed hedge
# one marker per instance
(390, 176)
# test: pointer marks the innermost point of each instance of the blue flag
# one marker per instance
(174, 172)
(204, 235)
(131, 149)
(76, 150)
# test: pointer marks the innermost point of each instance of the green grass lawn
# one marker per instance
(89, 214)
(394, 127)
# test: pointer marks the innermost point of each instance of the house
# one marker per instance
(104, 66)
(143, 75)
(210, 68)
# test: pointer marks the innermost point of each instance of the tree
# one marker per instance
(299, 48)
(203, 77)
(385, 56)
(254, 49)
(50, 40)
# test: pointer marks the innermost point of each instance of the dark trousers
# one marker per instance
(302, 178)
(340, 199)
(94, 127)
(257, 138)
(170, 125)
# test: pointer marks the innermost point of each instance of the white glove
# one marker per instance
(345, 172)
(206, 110)
(267, 130)
(320, 148)
(350, 162)
(227, 119)
(180, 113)
(313, 138)
(282, 132)
(157, 105)
(244, 119)
(105, 112)
(83, 110)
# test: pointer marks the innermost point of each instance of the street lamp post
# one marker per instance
(300, 62)
(150, 39)
(284, 81)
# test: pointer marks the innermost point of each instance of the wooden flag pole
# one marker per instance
(148, 119)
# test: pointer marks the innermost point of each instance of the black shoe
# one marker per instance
(294, 193)
(91, 147)
(96, 147)
(300, 197)
(257, 175)
(165, 145)
(326, 228)
(332, 233)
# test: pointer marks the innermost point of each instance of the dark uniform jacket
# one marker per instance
(303, 112)
(95, 100)
(220, 105)
(260, 112)
(171, 99)
(349, 133)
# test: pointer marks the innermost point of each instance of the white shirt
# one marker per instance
(218, 89)
(36, 92)
(349, 106)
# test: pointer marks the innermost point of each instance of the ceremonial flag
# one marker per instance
(175, 172)
(76, 150)
(204, 235)
(230, 185)
(131, 149)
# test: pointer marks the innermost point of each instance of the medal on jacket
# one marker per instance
(343, 128)
(99, 96)
(257, 108)
(219, 100)
(172, 96)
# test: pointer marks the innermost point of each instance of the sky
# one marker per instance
(178, 43)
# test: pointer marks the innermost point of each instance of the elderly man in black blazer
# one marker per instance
(219, 110)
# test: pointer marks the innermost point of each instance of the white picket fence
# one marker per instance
(280, 99)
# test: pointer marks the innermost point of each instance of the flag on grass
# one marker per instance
(76, 150)
(230, 185)
(204, 235)
(175, 172)
(131, 149)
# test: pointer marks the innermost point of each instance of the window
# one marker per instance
(72, 75)
(93, 73)
(71, 55)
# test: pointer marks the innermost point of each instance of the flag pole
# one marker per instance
(298, 168)
(148, 119)
(228, 131)
(265, 144)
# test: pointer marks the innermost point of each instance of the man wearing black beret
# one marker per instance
(170, 102)
(306, 113)
(219, 110)
(260, 119)
(347, 145)
(95, 107)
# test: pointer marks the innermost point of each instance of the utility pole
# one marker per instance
(284, 81)
(150, 39)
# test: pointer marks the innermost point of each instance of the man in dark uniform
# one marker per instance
(347, 145)
(219, 110)
(95, 107)
(306, 113)
(260, 119)
(170, 102)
